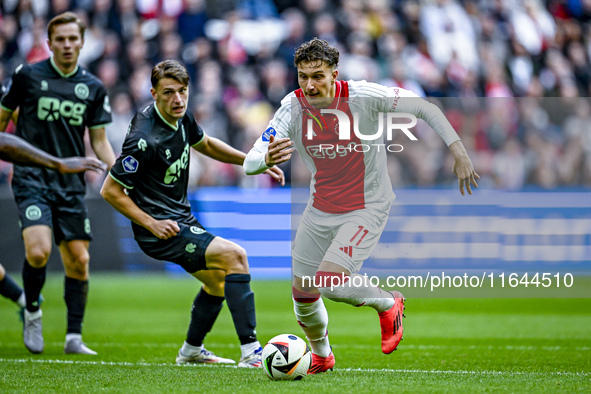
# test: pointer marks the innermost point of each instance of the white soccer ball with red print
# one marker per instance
(286, 357)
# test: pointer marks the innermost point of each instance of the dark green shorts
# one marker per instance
(65, 213)
(186, 249)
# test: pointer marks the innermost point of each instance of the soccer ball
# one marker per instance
(286, 357)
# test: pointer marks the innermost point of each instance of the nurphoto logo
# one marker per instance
(343, 129)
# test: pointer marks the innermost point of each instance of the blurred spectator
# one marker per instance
(191, 22)
(448, 31)
(257, 9)
(122, 111)
(358, 63)
(509, 166)
(108, 72)
(275, 76)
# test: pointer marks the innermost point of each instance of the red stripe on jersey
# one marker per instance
(340, 172)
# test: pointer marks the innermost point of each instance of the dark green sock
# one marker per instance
(10, 289)
(240, 300)
(33, 281)
(75, 295)
(204, 312)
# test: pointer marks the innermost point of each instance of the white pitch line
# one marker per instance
(214, 345)
(462, 372)
(127, 344)
(379, 370)
(107, 363)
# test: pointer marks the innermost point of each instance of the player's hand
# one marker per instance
(465, 172)
(164, 229)
(277, 174)
(72, 165)
(279, 151)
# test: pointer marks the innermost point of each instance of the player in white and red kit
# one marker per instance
(351, 192)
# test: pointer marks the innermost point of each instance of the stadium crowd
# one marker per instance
(512, 75)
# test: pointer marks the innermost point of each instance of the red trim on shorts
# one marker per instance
(302, 296)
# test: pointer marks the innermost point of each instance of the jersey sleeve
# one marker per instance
(278, 127)
(196, 133)
(411, 103)
(15, 90)
(100, 114)
(402, 100)
(381, 98)
(135, 153)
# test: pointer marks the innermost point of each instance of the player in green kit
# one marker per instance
(148, 184)
(16, 150)
(57, 101)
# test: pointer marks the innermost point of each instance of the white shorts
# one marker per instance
(343, 239)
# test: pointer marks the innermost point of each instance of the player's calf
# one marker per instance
(353, 289)
(227, 256)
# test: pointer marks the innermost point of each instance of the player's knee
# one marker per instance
(37, 255)
(236, 260)
(77, 267)
(227, 256)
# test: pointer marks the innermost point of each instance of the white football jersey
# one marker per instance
(344, 146)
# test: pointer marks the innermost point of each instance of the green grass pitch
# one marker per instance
(137, 324)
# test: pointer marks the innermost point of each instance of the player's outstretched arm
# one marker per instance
(19, 151)
(73, 165)
(463, 167)
(220, 151)
(114, 194)
(436, 119)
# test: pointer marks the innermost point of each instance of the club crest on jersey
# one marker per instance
(81, 91)
(130, 164)
(268, 133)
(33, 212)
(197, 230)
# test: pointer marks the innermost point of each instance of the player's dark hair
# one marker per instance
(316, 50)
(62, 19)
(169, 69)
